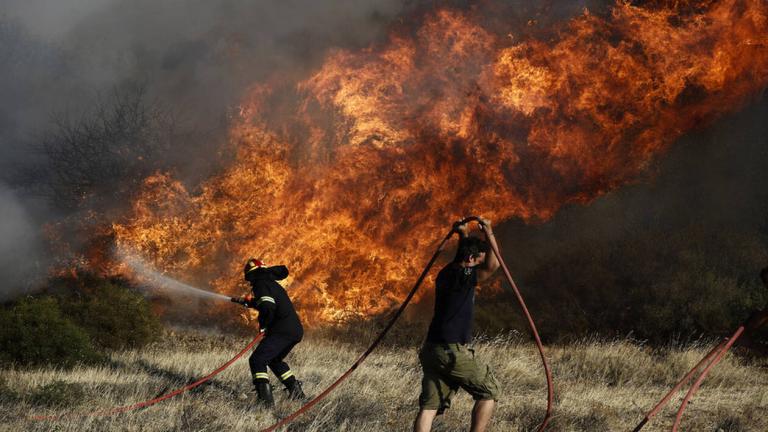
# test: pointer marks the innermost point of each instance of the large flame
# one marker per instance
(349, 176)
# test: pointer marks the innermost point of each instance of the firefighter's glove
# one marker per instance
(247, 301)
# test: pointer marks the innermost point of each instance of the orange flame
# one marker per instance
(349, 176)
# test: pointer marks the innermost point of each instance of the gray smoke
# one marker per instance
(20, 246)
(51, 19)
(198, 57)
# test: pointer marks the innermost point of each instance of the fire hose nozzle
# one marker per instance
(246, 300)
(240, 301)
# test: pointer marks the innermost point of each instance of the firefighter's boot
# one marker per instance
(264, 393)
(293, 387)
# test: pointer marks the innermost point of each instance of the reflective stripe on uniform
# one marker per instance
(267, 299)
(260, 375)
(286, 375)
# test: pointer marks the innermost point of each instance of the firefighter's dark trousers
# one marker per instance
(271, 352)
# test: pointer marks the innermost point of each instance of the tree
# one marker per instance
(100, 158)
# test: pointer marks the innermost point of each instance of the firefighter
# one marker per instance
(446, 359)
(281, 327)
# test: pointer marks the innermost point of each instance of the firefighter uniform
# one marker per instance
(282, 328)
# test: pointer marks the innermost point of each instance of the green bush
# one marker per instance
(78, 314)
(35, 332)
(58, 394)
(114, 316)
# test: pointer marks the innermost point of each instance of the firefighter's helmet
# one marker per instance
(251, 265)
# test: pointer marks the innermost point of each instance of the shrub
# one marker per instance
(63, 327)
(114, 316)
(35, 332)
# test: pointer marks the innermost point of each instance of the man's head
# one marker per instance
(251, 266)
(257, 269)
(471, 252)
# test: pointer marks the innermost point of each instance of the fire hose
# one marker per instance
(539, 346)
(711, 359)
(358, 362)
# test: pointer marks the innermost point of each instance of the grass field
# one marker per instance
(600, 386)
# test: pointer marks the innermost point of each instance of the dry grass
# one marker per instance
(600, 387)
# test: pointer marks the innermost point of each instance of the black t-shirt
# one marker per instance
(454, 305)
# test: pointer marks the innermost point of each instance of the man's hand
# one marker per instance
(491, 262)
(247, 300)
(485, 225)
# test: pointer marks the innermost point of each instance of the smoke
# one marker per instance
(20, 246)
(58, 58)
(51, 19)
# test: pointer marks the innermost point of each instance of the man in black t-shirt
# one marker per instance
(281, 326)
(447, 362)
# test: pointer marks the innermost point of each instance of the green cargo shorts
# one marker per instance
(448, 367)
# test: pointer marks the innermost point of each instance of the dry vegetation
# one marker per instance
(600, 387)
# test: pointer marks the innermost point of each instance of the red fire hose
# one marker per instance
(652, 413)
(712, 358)
(547, 371)
(144, 404)
(703, 375)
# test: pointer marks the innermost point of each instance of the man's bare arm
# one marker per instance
(491, 264)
